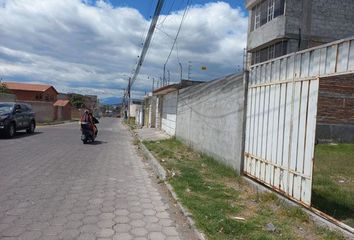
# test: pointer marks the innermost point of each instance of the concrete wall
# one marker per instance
(152, 112)
(158, 112)
(139, 115)
(210, 118)
(320, 21)
(266, 33)
(5, 97)
(332, 19)
(169, 110)
(132, 109)
(45, 111)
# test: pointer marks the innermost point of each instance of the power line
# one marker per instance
(175, 40)
(169, 10)
(146, 44)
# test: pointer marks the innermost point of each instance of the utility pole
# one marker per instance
(146, 45)
(153, 84)
(189, 69)
(129, 88)
(169, 77)
(180, 66)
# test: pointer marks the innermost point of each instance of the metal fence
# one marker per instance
(281, 116)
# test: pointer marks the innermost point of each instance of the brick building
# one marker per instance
(279, 27)
(62, 109)
(32, 92)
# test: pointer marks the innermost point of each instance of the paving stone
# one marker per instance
(122, 227)
(121, 212)
(156, 236)
(139, 231)
(123, 236)
(86, 236)
(53, 230)
(107, 232)
(170, 231)
(106, 224)
(61, 193)
(137, 223)
(121, 219)
(14, 231)
(70, 234)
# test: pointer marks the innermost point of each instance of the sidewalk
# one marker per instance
(151, 134)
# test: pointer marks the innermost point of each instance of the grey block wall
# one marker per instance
(210, 118)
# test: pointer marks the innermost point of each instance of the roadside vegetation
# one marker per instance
(333, 186)
(131, 123)
(225, 207)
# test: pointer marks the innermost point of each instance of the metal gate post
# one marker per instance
(244, 119)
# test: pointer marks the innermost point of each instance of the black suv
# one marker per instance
(16, 116)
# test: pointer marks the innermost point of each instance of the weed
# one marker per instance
(222, 206)
(333, 185)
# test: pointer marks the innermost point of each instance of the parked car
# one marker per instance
(16, 116)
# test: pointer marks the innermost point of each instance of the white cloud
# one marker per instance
(92, 48)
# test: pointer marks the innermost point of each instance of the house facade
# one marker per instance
(62, 110)
(166, 105)
(279, 27)
(32, 92)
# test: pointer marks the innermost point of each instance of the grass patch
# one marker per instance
(131, 123)
(333, 186)
(223, 206)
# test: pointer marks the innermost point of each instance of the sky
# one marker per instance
(92, 46)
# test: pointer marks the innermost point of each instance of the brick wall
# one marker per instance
(335, 116)
(48, 96)
(336, 100)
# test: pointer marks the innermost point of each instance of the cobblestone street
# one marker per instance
(54, 187)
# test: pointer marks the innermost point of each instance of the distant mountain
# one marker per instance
(111, 100)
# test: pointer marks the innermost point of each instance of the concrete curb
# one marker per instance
(55, 123)
(158, 169)
(161, 172)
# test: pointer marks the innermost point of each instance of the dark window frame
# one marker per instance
(265, 11)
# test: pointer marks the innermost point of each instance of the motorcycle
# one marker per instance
(87, 134)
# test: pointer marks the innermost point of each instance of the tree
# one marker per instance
(77, 100)
(3, 88)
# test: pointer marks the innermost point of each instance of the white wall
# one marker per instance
(132, 110)
(169, 111)
(210, 118)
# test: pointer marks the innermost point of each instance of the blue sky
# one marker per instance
(147, 7)
(91, 46)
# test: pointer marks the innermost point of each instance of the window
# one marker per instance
(270, 15)
(257, 16)
(272, 51)
(266, 11)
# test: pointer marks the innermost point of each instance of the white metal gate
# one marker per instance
(281, 116)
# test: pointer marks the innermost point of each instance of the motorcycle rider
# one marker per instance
(94, 121)
(88, 119)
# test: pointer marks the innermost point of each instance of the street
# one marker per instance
(52, 186)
